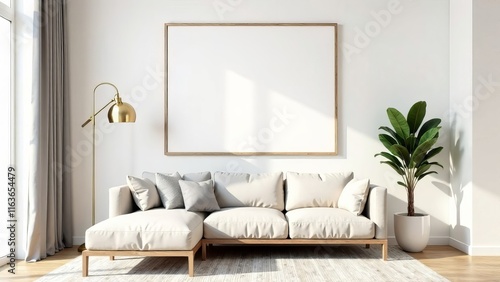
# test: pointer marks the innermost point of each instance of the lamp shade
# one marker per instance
(121, 112)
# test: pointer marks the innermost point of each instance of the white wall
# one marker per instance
(461, 123)
(474, 102)
(486, 83)
(392, 53)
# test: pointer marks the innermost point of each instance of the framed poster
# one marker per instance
(251, 89)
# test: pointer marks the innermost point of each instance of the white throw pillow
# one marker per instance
(169, 190)
(353, 197)
(263, 190)
(199, 196)
(314, 190)
(144, 192)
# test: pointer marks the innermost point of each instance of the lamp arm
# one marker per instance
(93, 116)
(116, 98)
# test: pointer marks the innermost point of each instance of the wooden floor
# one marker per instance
(445, 260)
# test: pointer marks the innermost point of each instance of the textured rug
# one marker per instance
(252, 263)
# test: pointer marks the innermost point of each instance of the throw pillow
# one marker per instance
(169, 190)
(314, 190)
(249, 190)
(354, 195)
(197, 176)
(144, 192)
(199, 196)
(152, 175)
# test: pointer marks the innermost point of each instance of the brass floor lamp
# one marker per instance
(119, 112)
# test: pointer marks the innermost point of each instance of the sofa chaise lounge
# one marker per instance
(169, 215)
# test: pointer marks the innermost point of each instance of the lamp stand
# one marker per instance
(119, 112)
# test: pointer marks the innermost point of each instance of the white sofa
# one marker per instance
(238, 208)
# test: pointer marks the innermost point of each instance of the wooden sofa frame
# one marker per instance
(112, 253)
(366, 242)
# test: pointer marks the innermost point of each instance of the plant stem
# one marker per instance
(411, 209)
(412, 183)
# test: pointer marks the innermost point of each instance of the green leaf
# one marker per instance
(422, 168)
(437, 164)
(411, 143)
(425, 174)
(395, 167)
(420, 152)
(433, 152)
(387, 140)
(398, 122)
(402, 184)
(428, 125)
(416, 116)
(401, 152)
(392, 158)
(393, 134)
(429, 134)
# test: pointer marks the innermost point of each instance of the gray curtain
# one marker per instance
(49, 198)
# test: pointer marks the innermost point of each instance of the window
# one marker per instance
(6, 56)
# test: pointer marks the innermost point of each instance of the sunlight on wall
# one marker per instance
(239, 90)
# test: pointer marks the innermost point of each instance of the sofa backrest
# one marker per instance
(249, 190)
(305, 190)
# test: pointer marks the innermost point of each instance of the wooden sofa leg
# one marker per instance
(112, 258)
(385, 248)
(191, 264)
(85, 264)
(367, 246)
(203, 251)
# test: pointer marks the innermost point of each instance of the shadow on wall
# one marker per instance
(460, 182)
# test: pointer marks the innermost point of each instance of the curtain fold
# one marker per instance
(49, 212)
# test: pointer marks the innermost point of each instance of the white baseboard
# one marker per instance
(78, 240)
(4, 260)
(484, 251)
(459, 245)
(433, 240)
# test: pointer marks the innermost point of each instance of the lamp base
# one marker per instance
(82, 248)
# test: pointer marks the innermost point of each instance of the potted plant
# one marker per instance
(411, 144)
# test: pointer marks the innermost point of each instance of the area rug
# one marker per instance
(258, 263)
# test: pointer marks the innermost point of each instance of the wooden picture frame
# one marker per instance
(251, 89)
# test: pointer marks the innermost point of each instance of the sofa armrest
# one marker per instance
(120, 201)
(376, 210)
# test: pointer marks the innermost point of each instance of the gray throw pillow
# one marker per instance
(169, 190)
(144, 192)
(199, 196)
(197, 176)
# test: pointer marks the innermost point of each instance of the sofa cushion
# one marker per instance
(246, 223)
(169, 190)
(152, 175)
(199, 196)
(197, 176)
(328, 223)
(304, 190)
(144, 192)
(156, 229)
(194, 176)
(249, 190)
(353, 196)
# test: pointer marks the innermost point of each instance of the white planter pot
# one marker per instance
(412, 232)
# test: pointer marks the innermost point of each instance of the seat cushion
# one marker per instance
(246, 223)
(328, 223)
(156, 229)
